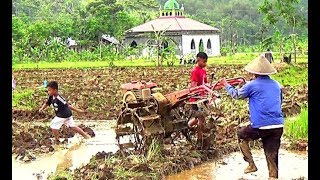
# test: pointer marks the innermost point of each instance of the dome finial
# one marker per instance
(182, 7)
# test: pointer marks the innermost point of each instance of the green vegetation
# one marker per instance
(123, 173)
(110, 160)
(238, 58)
(81, 64)
(60, 175)
(244, 58)
(23, 98)
(252, 27)
(154, 150)
(297, 128)
(292, 75)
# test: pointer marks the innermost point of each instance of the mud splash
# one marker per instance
(68, 156)
(292, 165)
(31, 139)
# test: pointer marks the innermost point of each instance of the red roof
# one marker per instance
(173, 24)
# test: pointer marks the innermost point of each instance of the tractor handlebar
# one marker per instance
(231, 81)
(209, 88)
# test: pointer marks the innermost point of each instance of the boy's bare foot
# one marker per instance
(87, 136)
(199, 144)
(57, 142)
(65, 141)
(251, 168)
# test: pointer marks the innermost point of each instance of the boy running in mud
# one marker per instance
(63, 112)
(198, 77)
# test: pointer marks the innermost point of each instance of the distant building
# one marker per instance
(190, 34)
(72, 44)
(108, 39)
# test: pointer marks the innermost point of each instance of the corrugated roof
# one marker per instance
(173, 24)
(113, 40)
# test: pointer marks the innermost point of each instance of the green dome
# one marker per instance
(171, 4)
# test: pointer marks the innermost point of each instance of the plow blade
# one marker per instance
(126, 145)
(149, 118)
(122, 131)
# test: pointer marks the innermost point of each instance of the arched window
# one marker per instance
(170, 13)
(209, 44)
(201, 47)
(193, 46)
(165, 44)
(150, 42)
(166, 13)
(162, 14)
(133, 44)
(178, 13)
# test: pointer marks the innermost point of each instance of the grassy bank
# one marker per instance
(296, 128)
(23, 99)
(239, 58)
(292, 75)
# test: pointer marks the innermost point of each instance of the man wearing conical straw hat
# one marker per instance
(266, 118)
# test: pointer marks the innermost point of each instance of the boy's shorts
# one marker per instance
(57, 122)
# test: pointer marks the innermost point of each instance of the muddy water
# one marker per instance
(292, 165)
(76, 153)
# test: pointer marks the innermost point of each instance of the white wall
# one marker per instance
(215, 43)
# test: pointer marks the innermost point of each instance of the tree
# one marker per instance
(286, 10)
(160, 40)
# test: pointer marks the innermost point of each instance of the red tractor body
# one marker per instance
(134, 85)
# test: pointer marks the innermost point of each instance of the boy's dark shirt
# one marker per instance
(60, 105)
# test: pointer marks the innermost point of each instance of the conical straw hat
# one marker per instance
(260, 66)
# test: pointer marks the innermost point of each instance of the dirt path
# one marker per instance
(292, 165)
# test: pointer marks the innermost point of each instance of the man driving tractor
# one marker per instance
(198, 77)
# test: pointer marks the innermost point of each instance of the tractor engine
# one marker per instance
(139, 119)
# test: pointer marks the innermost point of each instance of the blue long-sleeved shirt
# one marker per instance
(265, 98)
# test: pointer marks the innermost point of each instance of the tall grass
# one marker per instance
(154, 151)
(292, 75)
(297, 128)
(60, 175)
(122, 173)
(23, 98)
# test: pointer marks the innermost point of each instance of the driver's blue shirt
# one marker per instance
(265, 99)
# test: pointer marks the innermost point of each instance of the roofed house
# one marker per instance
(190, 35)
(108, 39)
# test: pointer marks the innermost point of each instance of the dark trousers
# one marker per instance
(271, 144)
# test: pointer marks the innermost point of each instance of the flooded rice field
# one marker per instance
(78, 152)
